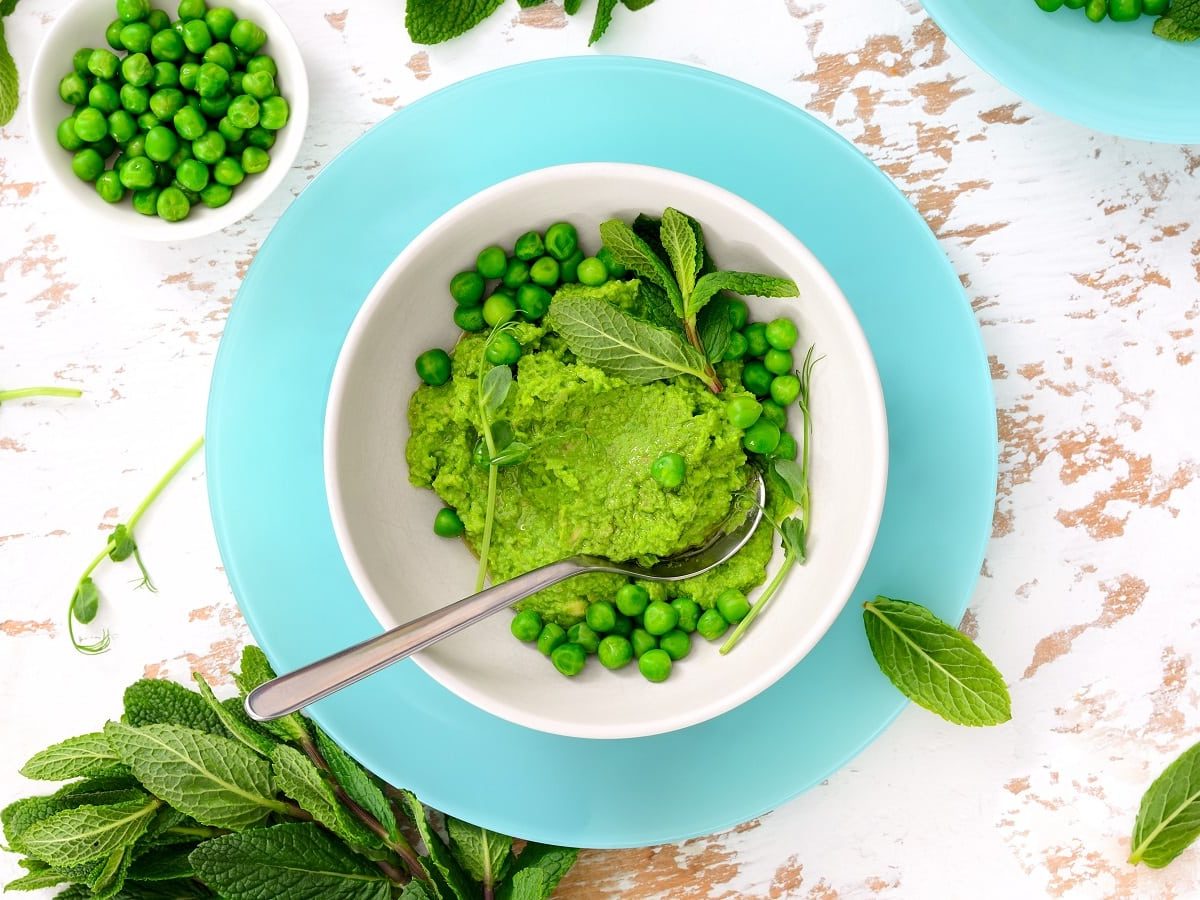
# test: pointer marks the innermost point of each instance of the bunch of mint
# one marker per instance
(186, 797)
(434, 21)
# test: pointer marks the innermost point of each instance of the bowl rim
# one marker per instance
(855, 563)
(125, 218)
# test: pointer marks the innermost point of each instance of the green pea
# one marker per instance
(761, 437)
(601, 616)
(255, 160)
(172, 205)
(739, 313)
(221, 54)
(263, 63)
(756, 339)
(569, 270)
(778, 362)
(611, 263)
(787, 448)
(534, 300)
(168, 45)
(209, 147)
(491, 262)
(581, 633)
(743, 411)
(122, 126)
(642, 642)
(213, 81)
(192, 9)
(189, 124)
(183, 153)
(1125, 10)
(104, 97)
(660, 617)
(561, 240)
(260, 137)
(236, 80)
(689, 613)
(529, 246)
(247, 36)
(498, 309)
(676, 643)
(785, 389)
(166, 75)
(655, 665)
(79, 62)
(135, 100)
(782, 334)
(229, 171)
(196, 36)
(552, 636)
(220, 21)
(103, 63)
(774, 412)
(467, 288)
(108, 186)
(433, 366)
(244, 112)
(1049, 5)
(192, 174)
(132, 10)
(711, 625)
(615, 652)
(570, 658)
(669, 470)
(527, 624)
(259, 85)
(469, 318)
(146, 201)
(1095, 10)
(112, 34)
(229, 131)
(516, 273)
(1154, 7)
(158, 20)
(732, 605)
(757, 379)
(503, 349)
(91, 125)
(137, 173)
(215, 107)
(165, 103)
(161, 143)
(736, 348)
(544, 271)
(632, 599)
(623, 626)
(447, 524)
(164, 175)
(592, 272)
(188, 73)
(68, 138)
(216, 195)
(136, 37)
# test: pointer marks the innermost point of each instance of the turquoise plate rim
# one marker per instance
(265, 422)
(1054, 66)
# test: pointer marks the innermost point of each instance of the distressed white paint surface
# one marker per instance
(1081, 254)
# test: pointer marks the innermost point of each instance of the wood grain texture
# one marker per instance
(1080, 254)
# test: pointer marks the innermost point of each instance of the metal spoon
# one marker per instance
(296, 690)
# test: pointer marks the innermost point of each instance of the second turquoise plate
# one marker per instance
(272, 378)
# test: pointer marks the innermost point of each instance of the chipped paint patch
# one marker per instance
(1122, 598)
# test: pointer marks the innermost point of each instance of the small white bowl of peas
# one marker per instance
(168, 121)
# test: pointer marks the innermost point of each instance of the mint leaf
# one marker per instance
(746, 283)
(484, 854)
(38, 875)
(604, 14)
(234, 719)
(570, 7)
(156, 701)
(357, 783)
(635, 5)
(418, 889)
(529, 4)
(434, 21)
(79, 757)
(1168, 820)
(296, 776)
(715, 328)
(7, 7)
(88, 832)
(649, 229)
(19, 817)
(1174, 28)
(163, 864)
(654, 306)
(621, 345)
(257, 671)
(679, 240)
(297, 861)
(9, 88)
(537, 872)
(634, 253)
(935, 665)
(444, 863)
(213, 779)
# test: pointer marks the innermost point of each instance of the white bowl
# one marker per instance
(82, 24)
(383, 523)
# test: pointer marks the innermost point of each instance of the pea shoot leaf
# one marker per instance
(1168, 820)
(434, 21)
(496, 383)
(85, 602)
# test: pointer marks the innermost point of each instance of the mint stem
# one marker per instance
(164, 481)
(22, 393)
(693, 336)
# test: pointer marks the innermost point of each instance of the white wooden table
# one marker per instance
(1081, 256)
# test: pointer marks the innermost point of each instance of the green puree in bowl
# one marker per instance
(586, 486)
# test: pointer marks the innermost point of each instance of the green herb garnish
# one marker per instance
(198, 801)
(1181, 23)
(85, 600)
(9, 87)
(434, 21)
(23, 393)
(1169, 818)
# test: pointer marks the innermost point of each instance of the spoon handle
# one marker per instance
(296, 690)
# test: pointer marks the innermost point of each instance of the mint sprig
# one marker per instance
(435, 21)
(1181, 23)
(184, 812)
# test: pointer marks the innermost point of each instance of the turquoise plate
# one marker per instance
(1112, 76)
(268, 406)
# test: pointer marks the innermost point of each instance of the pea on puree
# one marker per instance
(586, 486)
